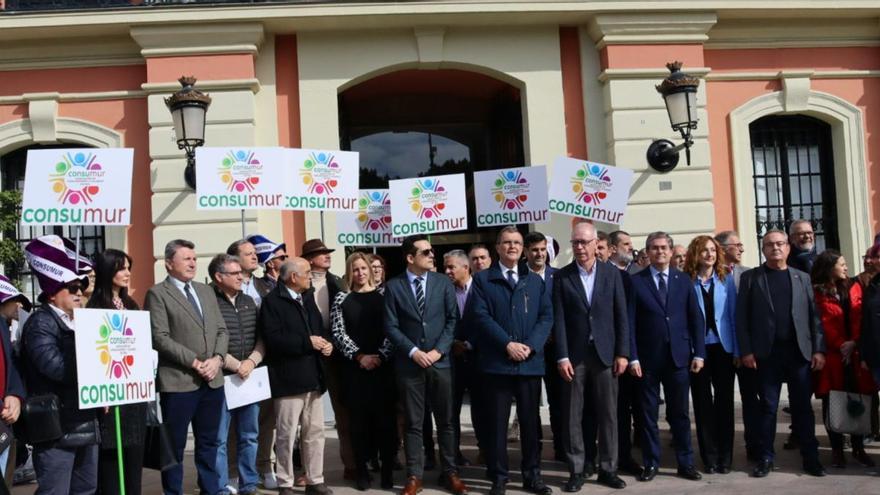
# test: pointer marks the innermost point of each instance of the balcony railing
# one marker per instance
(10, 6)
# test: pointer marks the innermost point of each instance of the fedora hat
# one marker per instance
(314, 246)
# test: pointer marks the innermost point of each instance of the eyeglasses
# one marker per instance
(232, 274)
(426, 252)
(737, 245)
(74, 287)
(581, 242)
(777, 244)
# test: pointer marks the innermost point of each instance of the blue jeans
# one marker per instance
(202, 408)
(247, 424)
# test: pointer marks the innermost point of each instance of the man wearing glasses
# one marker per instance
(803, 246)
(780, 336)
(733, 253)
(421, 312)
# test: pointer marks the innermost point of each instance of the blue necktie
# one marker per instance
(661, 287)
(192, 301)
(510, 279)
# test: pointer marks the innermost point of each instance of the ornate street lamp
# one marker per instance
(679, 91)
(188, 108)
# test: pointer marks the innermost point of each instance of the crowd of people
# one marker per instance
(398, 355)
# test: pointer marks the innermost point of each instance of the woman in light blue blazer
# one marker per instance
(712, 389)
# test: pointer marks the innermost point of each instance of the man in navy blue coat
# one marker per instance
(512, 314)
(420, 317)
(668, 333)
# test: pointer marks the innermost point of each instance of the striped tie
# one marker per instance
(420, 295)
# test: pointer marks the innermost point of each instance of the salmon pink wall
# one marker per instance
(725, 96)
(287, 100)
(572, 93)
(81, 79)
(208, 67)
(645, 56)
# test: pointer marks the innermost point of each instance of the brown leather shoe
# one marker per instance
(412, 487)
(453, 483)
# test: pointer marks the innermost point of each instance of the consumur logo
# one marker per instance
(590, 184)
(116, 346)
(320, 173)
(77, 178)
(240, 170)
(510, 190)
(428, 198)
(374, 211)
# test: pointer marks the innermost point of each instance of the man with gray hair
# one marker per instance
(803, 245)
(246, 253)
(189, 334)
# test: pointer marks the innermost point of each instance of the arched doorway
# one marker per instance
(413, 123)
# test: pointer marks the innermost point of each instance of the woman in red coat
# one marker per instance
(839, 304)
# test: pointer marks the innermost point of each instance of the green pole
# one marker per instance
(119, 452)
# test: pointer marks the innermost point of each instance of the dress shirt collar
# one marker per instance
(539, 273)
(584, 272)
(294, 294)
(66, 318)
(180, 284)
(655, 271)
(412, 276)
(466, 288)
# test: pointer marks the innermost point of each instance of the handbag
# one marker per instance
(159, 451)
(42, 419)
(848, 413)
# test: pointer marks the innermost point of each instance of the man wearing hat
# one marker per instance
(325, 286)
(13, 387)
(68, 464)
(271, 256)
(189, 333)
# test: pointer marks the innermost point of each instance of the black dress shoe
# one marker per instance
(498, 488)
(689, 473)
(589, 470)
(648, 473)
(814, 468)
(611, 480)
(630, 466)
(762, 469)
(537, 486)
(722, 468)
(710, 469)
(574, 484)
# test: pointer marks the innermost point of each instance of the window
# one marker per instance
(92, 238)
(793, 176)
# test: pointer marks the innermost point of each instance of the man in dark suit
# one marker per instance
(591, 333)
(780, 336)
(512, 316)
(291, 327)
(420, 317)
(668, 332)
(189, 334)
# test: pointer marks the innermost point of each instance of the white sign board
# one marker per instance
(84, 186)
(590, 190)
(428, 205)
(511, 196)
(243, 392)
(322, 180)
(240, 178)
(114, 357)
(371, 224)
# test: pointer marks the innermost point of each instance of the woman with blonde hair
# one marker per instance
(712, 388)
(357, 326)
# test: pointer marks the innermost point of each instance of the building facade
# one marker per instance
(790, 92)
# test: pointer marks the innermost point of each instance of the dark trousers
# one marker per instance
(501, 390)
(553, 383)
(628, 411)
(374, 426)
(836, 439)
(466, 378)
(712, 392)
(675, 382)
(132, 467)
(66, 471)
(594, 388)
(751, 409)
(434, 386)
(786, 364)
(201, 408)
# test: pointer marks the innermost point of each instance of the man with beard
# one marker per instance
(803, 245)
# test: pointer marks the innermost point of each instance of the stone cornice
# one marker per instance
(198, 39)
(223, 85)
(651, 28)
(653, 73)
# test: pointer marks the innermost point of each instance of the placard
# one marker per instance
(371, 224)
(77, 186)
(511, 196)
(234, 178)
(240, 392)
(590, 190)
(427, 205)
(114, 357)
(322, 180)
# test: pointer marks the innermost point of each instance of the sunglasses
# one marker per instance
(426, 252)
(74, 287)
(282, 257)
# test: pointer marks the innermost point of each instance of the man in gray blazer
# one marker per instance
(189, 334)
(780, 336)
(591, 334)
(420, 316)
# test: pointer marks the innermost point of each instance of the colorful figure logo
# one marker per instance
(590, 183)
(240, 171)
(428, 198)
(510, 190)
(320, 173)
(77, 178)
(374, 211)
(116, 346)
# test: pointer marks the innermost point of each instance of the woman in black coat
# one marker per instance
(112, 277)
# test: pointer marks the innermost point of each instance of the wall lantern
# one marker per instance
(188, 108)
(679, 91)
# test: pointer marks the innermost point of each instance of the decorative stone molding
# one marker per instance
(851, 181)
(791, 32)
(648, 73)
(42, 112)
(198, 39)
(650, 28)
(429, 41)
(222, 85)
(796, 89)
